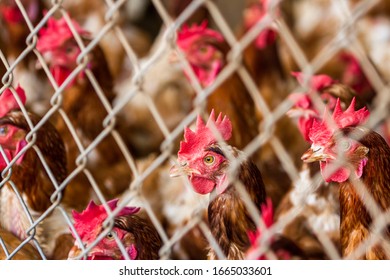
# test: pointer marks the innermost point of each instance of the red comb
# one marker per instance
(203, 134)
(93, 217)
(8, 101)
(188, 35)
(252, 15)
(322, 131)
(316, 82)
(56, 34)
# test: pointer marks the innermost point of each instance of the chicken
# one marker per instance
(15, 27)
(328, 89)
(319, 214)
(205, 50)
(15, 35)
(137, 235)
(174, 204)
(318, 203)
(163, 83)
(30, 179)
(92, 16)
(26, 252)
(263, 58)
(206, 163)
(364, 158)
(281, 246)
(86, 111)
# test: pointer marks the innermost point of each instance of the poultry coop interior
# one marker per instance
(204, 129)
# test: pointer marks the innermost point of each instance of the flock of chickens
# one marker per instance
(99, 159)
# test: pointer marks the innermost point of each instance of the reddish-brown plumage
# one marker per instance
(27, 252)
(86, 112)
(367, 158)
(355, 219)
(30, 176)
(228, 215)
(35, 186)
(15, 27)
(231, 97)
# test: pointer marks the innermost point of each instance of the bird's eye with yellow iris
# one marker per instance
(208, 160)
(110, 235)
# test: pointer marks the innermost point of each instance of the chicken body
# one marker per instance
(280, 245)
(228, 216)
(86, 112)
(33, 184)
(206, 51)
(15, 33)
(165, 84)
(355, 217)
(27, 252)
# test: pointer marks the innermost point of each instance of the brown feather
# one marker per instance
(355, 219)
(229, 218)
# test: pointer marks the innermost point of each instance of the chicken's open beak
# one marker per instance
(183, 169)
(315, 154)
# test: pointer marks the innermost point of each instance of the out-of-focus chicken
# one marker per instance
(15, 34)
(86, 111)
(264, 61)
(92, 17)
(364, 157)
(206, 50)
(137, 235)
(30, 177)
(163, 83)
(328, 89)
(319, 214)
(15, 27)
(319, 210)
(279, 246)
(27, 252)
(206, 163)
(174, 204)
(262, 56)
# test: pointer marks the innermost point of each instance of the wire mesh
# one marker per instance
(136, 88)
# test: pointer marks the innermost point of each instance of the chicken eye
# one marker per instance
(3, 130)
(69, 49)
(208, 160)
(344, 145)
(203, 49)
(110, 235)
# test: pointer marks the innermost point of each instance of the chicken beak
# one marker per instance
(183, 169)
(299, 112)
(173, 58)
(315, 154)
(294, 113)
(74, 253)
(47, 57)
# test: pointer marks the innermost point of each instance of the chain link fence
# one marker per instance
(149, 94)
